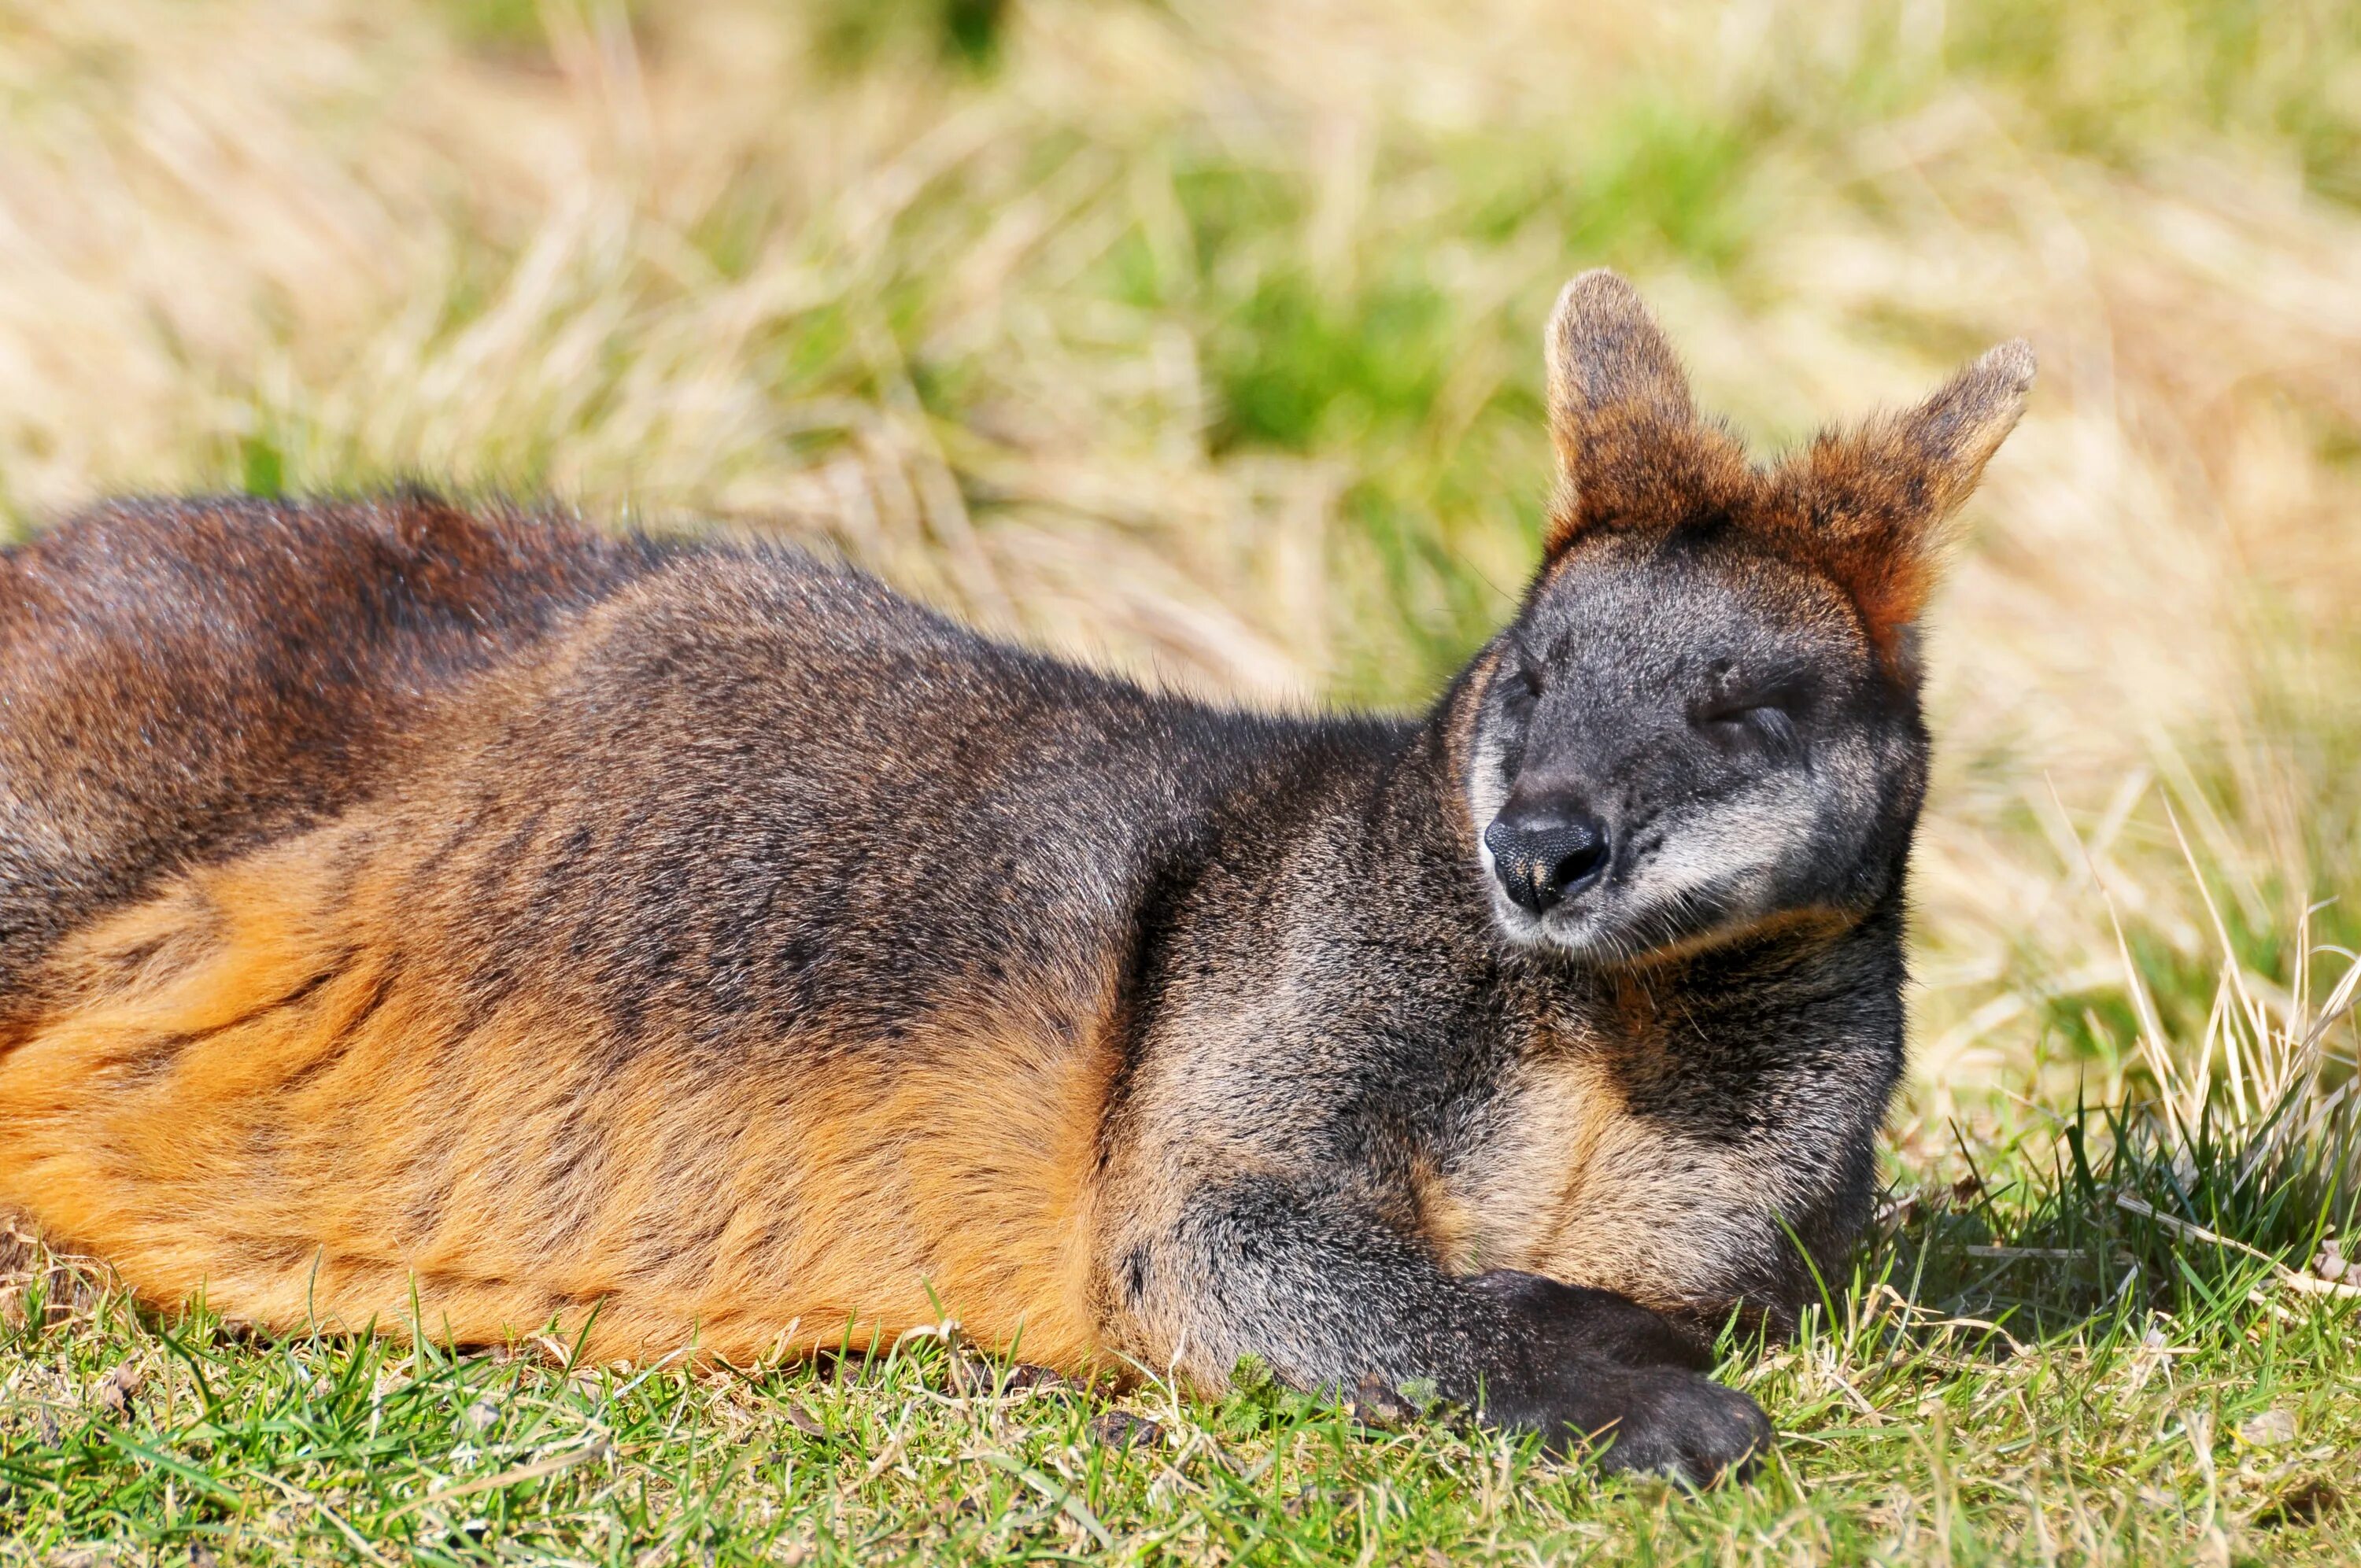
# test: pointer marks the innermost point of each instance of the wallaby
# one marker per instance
(399, 904)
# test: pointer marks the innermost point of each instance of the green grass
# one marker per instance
(2121, 1396)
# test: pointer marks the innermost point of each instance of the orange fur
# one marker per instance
(242, 1093)
(1582, 1188)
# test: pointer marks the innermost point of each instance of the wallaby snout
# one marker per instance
(1546, 848)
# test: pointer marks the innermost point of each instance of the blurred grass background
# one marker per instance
(1199, 337)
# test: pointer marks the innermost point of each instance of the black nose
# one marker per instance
(1542, 856)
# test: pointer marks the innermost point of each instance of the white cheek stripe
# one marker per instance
(1484, 794)
(1767, 830)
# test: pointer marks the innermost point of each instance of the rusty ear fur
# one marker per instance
(1865, 507)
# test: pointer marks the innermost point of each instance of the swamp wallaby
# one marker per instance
(396, 899)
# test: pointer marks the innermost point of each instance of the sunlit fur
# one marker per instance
(256, 1094)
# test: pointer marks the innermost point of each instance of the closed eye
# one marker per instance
(1766, 718)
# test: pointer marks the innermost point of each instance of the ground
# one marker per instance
(1200, 338)
(2185, 1421)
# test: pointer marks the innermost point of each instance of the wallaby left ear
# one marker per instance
(1871, 502)
(1630, 446)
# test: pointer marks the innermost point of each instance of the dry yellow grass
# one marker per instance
(976, 330)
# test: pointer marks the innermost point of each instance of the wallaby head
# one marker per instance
(1706, 715)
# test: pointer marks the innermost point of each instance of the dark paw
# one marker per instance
(1685, 1426)
(1553, 1320)
(1594, 1371)
(1649, 1420)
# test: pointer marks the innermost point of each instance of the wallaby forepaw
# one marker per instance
(1556, 1319)
(1687, 1427)
(1598, 1373)
(1642, 1420)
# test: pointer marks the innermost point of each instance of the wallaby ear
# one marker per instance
(1606, 352)
(1618, 406)
(1954, 434)
(1872, 502)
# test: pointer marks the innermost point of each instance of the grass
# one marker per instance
(1199, 337)
(2115, 1381)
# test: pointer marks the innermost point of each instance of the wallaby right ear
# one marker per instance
(1626, 434)
(1868, 506)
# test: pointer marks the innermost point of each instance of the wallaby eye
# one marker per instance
(1735, 711)
(1765, 718)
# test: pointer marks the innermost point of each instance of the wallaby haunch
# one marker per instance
(394, 899)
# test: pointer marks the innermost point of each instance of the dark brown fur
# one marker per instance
(395, 898)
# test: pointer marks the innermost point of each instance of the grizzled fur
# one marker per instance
(394, 899)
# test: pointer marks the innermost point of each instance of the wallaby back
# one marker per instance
(178, 679)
